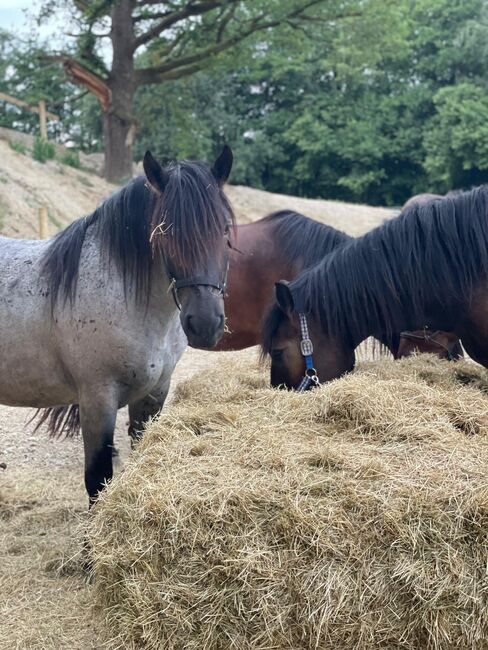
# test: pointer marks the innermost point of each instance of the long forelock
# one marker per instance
(191, 217)
(271, 322)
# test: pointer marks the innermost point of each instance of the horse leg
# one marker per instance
(97, 416)
(143, 410)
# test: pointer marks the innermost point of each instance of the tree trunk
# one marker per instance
(119, 120)
(118, 136)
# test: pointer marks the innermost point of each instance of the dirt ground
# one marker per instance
(44, 596)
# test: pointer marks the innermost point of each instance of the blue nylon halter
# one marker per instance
(310, 377)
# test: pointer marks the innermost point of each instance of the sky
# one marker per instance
(11, 14)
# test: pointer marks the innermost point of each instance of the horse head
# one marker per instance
(191, 229)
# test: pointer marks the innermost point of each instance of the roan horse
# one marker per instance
(280, 246)
(89, 318)
(428, 265)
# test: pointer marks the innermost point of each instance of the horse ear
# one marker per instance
(284, 297)
(222, 166)
(155, 174)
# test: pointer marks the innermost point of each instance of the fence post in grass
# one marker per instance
(43, 222)
(43, 119)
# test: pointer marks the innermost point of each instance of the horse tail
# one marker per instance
(60, 420)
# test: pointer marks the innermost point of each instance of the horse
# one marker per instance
(280, 246)
(428, 266)
(97, 317)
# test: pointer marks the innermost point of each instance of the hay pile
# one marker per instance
(355, 516)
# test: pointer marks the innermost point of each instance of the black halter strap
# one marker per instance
(197, 281)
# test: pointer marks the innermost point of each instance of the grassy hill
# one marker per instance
(69, 193)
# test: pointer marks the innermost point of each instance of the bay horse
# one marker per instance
(96, 317)
(428, 266)
(280, 246)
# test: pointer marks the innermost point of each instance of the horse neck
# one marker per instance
(258, 252)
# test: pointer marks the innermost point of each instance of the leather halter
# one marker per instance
(197, 281)
(310, 378)
(428, 338)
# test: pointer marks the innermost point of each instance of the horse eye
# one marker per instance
(276, 354)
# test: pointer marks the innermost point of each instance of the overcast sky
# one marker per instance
(11, 14)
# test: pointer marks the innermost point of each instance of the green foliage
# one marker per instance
(43, 150)
(72, 158)
(18, 146)
(456, 138)
(373, 108)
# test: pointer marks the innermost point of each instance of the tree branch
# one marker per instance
(175, 17)
(197, 61)
(82, 76)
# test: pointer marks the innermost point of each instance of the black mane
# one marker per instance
(303, 239)
(184, 224)
(425, 261)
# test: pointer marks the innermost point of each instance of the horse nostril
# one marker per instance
(189, 325)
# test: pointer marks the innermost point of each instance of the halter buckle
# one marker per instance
(306, 347)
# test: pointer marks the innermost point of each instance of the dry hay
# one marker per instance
(354, 516)
(44, 596)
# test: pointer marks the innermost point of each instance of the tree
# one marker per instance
(178, 39)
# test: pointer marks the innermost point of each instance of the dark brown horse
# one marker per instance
(428, 266)
(279, 246)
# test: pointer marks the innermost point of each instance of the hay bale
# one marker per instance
(354, 516)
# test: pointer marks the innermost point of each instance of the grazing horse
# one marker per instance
(428, 266)
(279, 246)
(92, 317)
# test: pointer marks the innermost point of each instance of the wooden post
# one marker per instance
(43, 119)
(43, 222)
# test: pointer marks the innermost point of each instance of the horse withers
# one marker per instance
(428, 265)
(90, 320)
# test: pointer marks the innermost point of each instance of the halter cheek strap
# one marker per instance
(310, 378)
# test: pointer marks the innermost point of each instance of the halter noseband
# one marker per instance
(197, 281)
(310, 378)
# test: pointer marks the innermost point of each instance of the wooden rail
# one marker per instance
(34, 109)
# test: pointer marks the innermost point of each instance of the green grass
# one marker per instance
(71, 158)
(43, 150)
(17, 146)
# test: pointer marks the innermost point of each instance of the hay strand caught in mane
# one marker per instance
(187, 222)
(191, 217)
